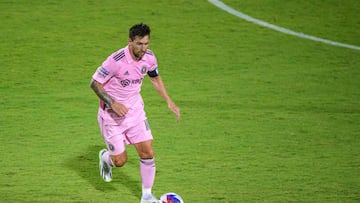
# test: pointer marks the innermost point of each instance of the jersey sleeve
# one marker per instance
(153, 69)
(105, 71)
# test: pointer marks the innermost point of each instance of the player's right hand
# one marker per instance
(119, 109)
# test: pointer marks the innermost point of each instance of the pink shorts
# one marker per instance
(116, 137)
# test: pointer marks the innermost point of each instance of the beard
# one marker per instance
(139, 54)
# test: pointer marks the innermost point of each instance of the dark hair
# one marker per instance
(140, 29)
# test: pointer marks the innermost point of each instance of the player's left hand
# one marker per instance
(176, 110)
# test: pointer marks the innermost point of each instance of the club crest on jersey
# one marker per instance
(143, 70)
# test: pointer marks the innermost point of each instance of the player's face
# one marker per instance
(138, 46)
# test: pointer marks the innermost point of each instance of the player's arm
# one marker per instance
(100, 92)
(159, 86)
(98, 88)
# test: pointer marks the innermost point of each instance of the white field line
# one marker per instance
(277, 28)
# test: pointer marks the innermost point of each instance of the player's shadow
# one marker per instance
(86, 166)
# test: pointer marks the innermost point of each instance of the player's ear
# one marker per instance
(129, 40)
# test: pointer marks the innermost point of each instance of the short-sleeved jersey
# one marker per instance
(122, 77)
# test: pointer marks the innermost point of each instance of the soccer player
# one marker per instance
(121, 116)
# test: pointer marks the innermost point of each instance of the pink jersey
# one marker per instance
(122, 78)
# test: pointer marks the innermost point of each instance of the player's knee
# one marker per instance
(120, 161)
(149, 154)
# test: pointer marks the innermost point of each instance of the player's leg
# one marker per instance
(107, 161)
(147, 169)
(147, 164)
(115, 154)
(140, 135)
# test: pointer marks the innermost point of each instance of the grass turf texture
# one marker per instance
(266, 117)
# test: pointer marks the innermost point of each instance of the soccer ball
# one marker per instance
(171, 198)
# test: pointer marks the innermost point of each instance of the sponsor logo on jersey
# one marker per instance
(128, 82)
(125, 83)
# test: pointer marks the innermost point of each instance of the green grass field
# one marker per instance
(266, 117)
